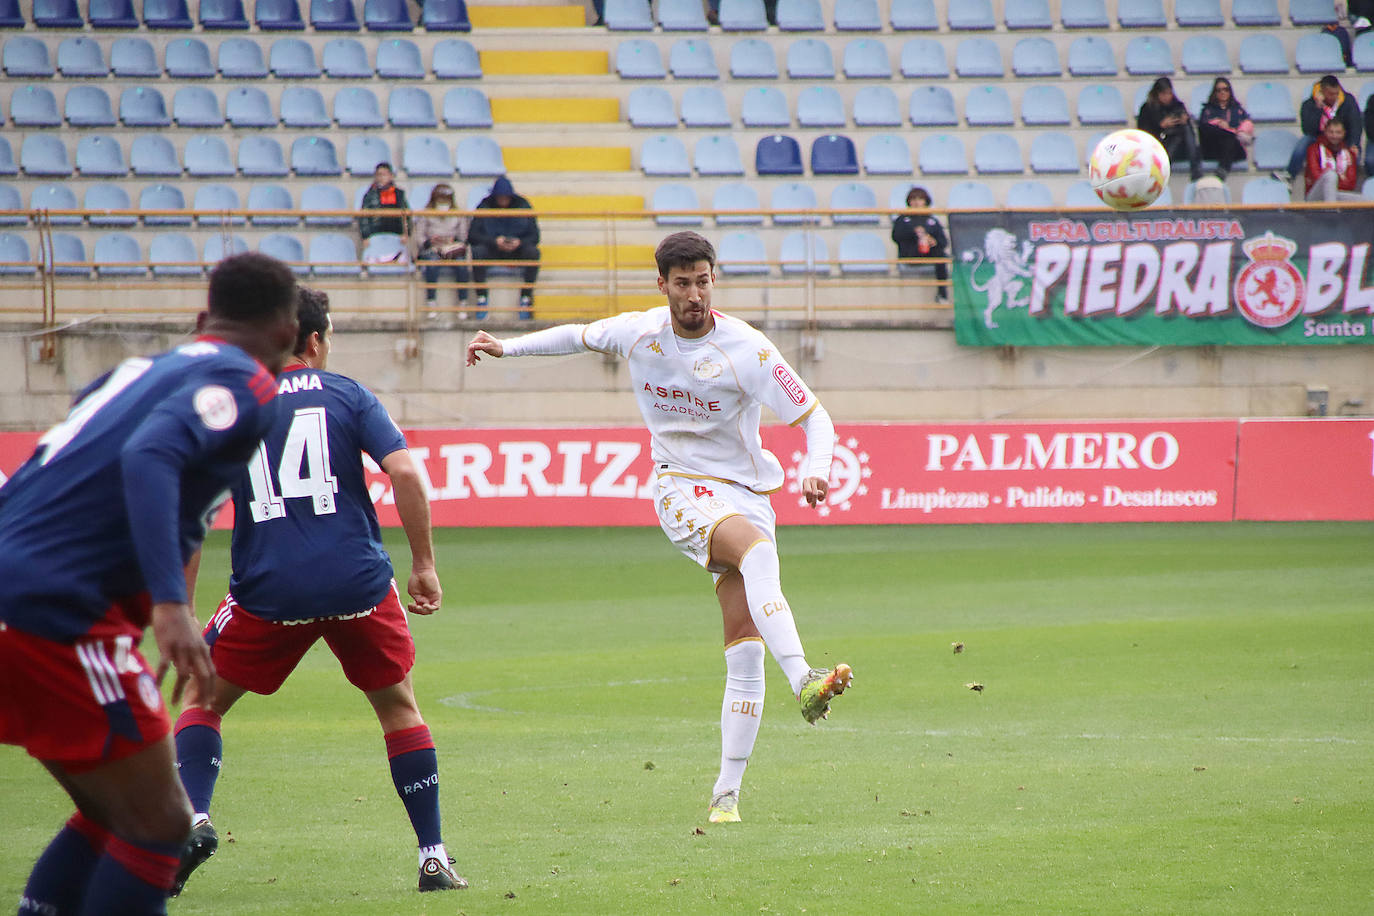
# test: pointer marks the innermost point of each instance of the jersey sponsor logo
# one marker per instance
(678, 397)
(795, 392)
(707, 369)
(290, 384)
(215, 406)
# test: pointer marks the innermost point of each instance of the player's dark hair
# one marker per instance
(251, 287)
(312, 308)
(683, 249)
(1330, 82)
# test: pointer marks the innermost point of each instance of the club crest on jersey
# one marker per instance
(215, 406)
(706, 369)
(309, 381)
(795, 392)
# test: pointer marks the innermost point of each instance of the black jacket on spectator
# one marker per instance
(485, 229)
(1347, 110)
(904, 234)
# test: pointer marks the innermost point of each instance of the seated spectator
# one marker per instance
(510, 237)
(1224, 128)
(1329, 100)
(1166, 118)
(920, 238)
(1342, 35)
(383, 194)
(1332, 168)
(442, 238)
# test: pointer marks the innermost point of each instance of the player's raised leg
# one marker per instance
(742, 708)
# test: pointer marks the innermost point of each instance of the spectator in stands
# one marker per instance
(920, 238)
(770, 11)
(1165, 117)
(509, 237)
(1329, 100)
(1224, 128)
(383, 194)
(442, 238)
(1341, 33)
(1332, 168)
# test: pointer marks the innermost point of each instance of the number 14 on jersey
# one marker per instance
(304, 470)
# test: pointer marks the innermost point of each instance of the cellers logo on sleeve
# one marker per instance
(215, 406)
(795, 392)
(1269, 290)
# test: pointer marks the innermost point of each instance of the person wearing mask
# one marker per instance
(383, 194)
(508, 237)
(442, 238)
(1164, 117)
(1224, 129)
(920, 239)
(1332, 168)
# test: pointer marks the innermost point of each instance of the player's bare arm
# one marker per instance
(180, 644)
(482, 342)
(412, 505)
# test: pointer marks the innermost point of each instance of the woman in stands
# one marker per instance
(1224, 128)
(1164, 117)
(442, 238)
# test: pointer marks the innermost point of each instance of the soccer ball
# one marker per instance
(1129, 170)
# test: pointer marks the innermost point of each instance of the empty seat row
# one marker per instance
(269, 15)
(159, 205)
(133, 57)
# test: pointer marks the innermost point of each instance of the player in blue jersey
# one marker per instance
(303, 504)
(95, 532)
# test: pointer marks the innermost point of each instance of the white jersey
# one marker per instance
(701, 399)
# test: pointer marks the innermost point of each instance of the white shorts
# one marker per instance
(690, 508)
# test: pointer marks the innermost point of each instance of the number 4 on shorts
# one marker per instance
(699, 491)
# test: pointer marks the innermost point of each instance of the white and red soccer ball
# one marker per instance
(1129, 170)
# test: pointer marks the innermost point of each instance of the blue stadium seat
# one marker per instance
(259, 157)
(742, 16)
(1265, 191)
(80, 56)
(866, 58)
(1035, 57)
(1270, 102)
(333, 16)
(1141, 14)
(166, 14)
(302, 106)
(1053, 152)
(117, 254)
(932, 106)
(967, 15)
(218, 247)
(399, 59)
(314, 156)
(271, 197)
(44, 154)
(214, 200)
(924, 58)
(647, 106)
(778, 154)
(1255, 12)
(287, 249)
(208, 156)
(1091, 56)
(112, 14)
(479, 156)
(888, 154)
(702, 106)
(691, 58)
(1197, 14)
(988, 106)
(248, 106)
(278, 16)
(764, 106)
(853, 195)
(834, 154)
(1044, 105)
(863, 253)
(637, 59)
(34, 106)
(1310, 12)
(467, 108)
(11, 16)
(26, 56)
(997, 154)
(292, 58)
(800, 16)
(804, 252)
(427, 155)
(793, 195)
(102, 198)
(742, 254)
(675, 197)
(173, 255)
(681, 16)
(1262, 53)
(457, 59)
(716, 155)
(857, 16)
(363, 153)
(913, 16)
(387, 16)
(357, 106)
(1028, 14)
(810, 59)
(317, 198)
(1204, 55)
(196, 106)
(1149, 56)
(1367, 189)
(1083, 14)
(11, 200)
(751, 58)
(345, 59)
(333, 255)
(971, 195)
(68, 258)
(875, 106)
(1319, 53)
(99, 156)
(1030, 195)
(1101, 105)
(411, 106)
(664, 155)
(1362, 48)
(385, 255)
(628, 16)
(445, 16)
(132, 57)
(241, 58)
(1272, 149)
(143, 106)
(55, 197)
(189, 59)
(222, 15)
(820, 106)
(733, 197)
(163, 197)
(942, 154)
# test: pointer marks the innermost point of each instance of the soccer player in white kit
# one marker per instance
(701, 379)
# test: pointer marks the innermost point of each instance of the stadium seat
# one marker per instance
(364, 153)
(647, 106)
(1052, 152)
(1272, 149)
(1255, 12)
(445, 16)
(117, 254)
(317, 198)
(278, 16)
(681, 16)
(853, 195)
(1262, 53)
(1149, 56)
(874, 106)
(26, 56)
(333, 16)
(702, 106)
(628, 16)
(866, 59)
(271, 197)
(968, 15)
(132, 57)
(55, 197)
(399, 59)
(932, 106)
(913, 16)
(1362, 48)
(1265, 191)
(357, 106)
(778, 155)
(387, 16)
(1091, 56)
(248, 106)
(467, 108)
(863, 253)
(196, 106)
(971, 195)
(385, 255)
(287, 249)
(923, 58)
(81, 56)
(333, 255)
(804, 252)
(258, 157)
(821, 106)
(988, 106)
(8, 166)
(942, 154)
(1270, 102)
(1044, 105)
(219, 247)
(99, 156)
(1319, 53)
(1028, 14)
(1141, 14)
(764, 106)
(222, 15)
(636, 59)
(15, 258)
(11, 16)
(888, 154)
(751, 58)
(717, 155)
(1204, 55)
(112, 14)
(292, 58)
(1083, 14)
(742, 16)
(68, 257)
(978, 58)
(457, 59)
(1034, 195)
(411, 106)
(426, 155)
(1101, 105)
(1190, 193)
(479, 156)
(302, 106)
(345, 59)
(314, 156)
(1033, 57)
(664, 155)
(173, 255)
(1197, 14)
(675, 197)
(1367, 189)
(163, 197)
(143, 106)
(742, 254)
(34, 106)
(691, 58)
(731, 201)
(834, 154)
(189, 59)
(997, 154)
(10, 199)
(166, 14)
(857, 16)
(44, 154)
(213, 201)
(800, 16)
(1310, 12)
(810, 59)
(208, 157)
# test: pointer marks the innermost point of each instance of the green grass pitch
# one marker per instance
(1176, 719)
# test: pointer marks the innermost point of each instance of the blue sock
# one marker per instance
(132, 880)
(59, 878)
(415, 771)
(199, 752)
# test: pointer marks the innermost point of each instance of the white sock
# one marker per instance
(740, 712)
(770, 611)
(434, 852)
(199, 818)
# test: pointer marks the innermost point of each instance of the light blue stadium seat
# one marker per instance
(1310, 12)
(399, 59)
(1363, 54)
(208, 156)
(112, 14)
(717, 155)
(1093, 139)
(924, 58)
(385, 255)
(777, 154)
(333, 16)
(1081, 194)
(1319, 53)
(800, 16)
(1028, 14)
(681, 16)
(363, 153)
(213, 200)
(968, 15)
(292, 58)
(702, 106)
(143, 106)
(196, 106)
(55, 197)
(1053, 152)
(1255, 12)
(117, 254)
(810, 59)
(173, 255)
(189, 58)
(857, 16)
(742, 254)
(15, 258)
(479, 156)
(834, 154)
(691, 58)
(81, 56)
(163, 197)
(913, 16)
(1265, 191)
(218, 247)
(1149, 56)
(978, 58)
(357, 106)
(820, 106)
(742, 16)
(314, 156)
(260, 157)
(317, 198)
(1034, 57)
(853, 195)
(132, 57)
(876, 106)
(1091, 56)
(1204, 55)
(302, 106)
(1196, 14)
(34, 106)
(427, 155)
(1367, 189)
(997, 154)
(1262, 53)
(1030, 195)
(793, 195)
(864, 253)
(334, 255)
(1044, 105)
(68, 258)
(1101, 105)
(467, 108)
(988, 106)
(804, 252)
(639, 59)
(971, 195)
(345, 59)
(764, 106)
(411, 106)
(1190, 192)
(222, 14)
(753, 59)
(278, 16)
(87, 106)
(287, 249)
(25, 55)
(675, 197)
(1083, 14)
(44, 154)
(664, 155)
(648, 106)
(942, 154)
(628, 16)
(866, 58)
(99, 156)
(248, 106)
(1270, 102)
(932, 106)
(1141, 14)
(456, 59)
(10, 199)
(241, 59)
(57, 14)
(1272, 149)
(271, 197)
(888, 154)
(732, 197)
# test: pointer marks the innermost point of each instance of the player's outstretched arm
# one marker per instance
(559, 340)
(820, 449)
(412, 505)
(482, 342)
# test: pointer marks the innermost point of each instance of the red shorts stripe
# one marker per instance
(406, 740)
(150, 867)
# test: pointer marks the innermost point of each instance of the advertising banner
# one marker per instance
(1301, 470)
(1166, 277)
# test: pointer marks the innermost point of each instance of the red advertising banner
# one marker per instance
(1302, 470)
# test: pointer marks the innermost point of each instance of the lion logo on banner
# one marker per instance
(1010, 272)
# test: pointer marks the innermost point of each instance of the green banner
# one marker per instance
(1175, 278)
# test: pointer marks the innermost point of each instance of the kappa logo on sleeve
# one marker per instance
(795, 392)
(215, 406)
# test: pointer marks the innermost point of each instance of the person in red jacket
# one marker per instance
(1332, 167)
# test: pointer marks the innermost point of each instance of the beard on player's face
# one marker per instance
(689, 298)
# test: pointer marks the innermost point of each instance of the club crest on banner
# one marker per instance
(849, 473)
(1010, 282)
(1269, 290)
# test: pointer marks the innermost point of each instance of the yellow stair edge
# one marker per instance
(561, 16)
(545, 63)
(528, 110)
(577, 257)
(567, 158)
(592, 204)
